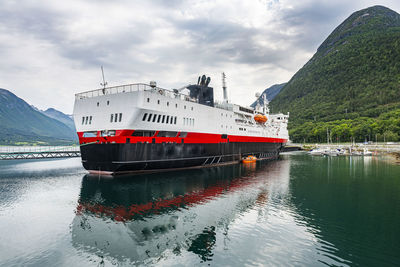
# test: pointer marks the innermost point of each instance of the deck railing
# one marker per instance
(134, 88)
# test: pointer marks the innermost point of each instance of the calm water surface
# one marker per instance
(299, 210)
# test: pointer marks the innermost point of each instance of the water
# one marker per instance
(299, 210)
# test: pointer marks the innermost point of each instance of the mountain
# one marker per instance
(22, 123)
(351, 86)
(58, 115)
(270, 94)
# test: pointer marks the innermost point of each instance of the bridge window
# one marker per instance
(175, 120)
(86, 119)
(159, 118)
(149, 119)
(167, 134)
(155, 117)
(120, 117)
(166, 121)
(116, 117)
(143, 133)
(90, 120)
(144, 116)
(112, 118)
(172, 120)
(83, 120)
(163, 119)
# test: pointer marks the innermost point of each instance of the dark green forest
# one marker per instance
(351, 86)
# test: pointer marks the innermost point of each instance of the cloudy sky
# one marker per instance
(50, 50)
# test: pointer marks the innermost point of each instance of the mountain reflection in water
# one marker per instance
(138, 218)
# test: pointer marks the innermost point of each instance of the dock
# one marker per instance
(42, 152)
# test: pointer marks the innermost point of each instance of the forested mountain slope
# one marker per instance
(351, 86)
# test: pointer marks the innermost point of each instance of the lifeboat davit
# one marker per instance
(260, 118)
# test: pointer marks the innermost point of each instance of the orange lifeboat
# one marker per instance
(260, 118)
(249, 159)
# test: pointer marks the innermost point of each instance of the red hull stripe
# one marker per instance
(124, 136)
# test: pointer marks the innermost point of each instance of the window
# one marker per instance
(246, 110)
(163, 119)
(143, 133)
(167, 104)
(167, 120)
(149, 119)
(166, 134)
(191, 108)
(158, 102)
(90, 120)
(108, 133)
(120, 117)
(108, 102)
(144, 116)
(112, 118)
(176, 105)
(89, 134)
(148, 100)
(175, 120)
(184, 107)
(224, 136)
(98, 103)
(86, 119)
(83, 120)
(116, 117)
(159, 118)
(183, 134)
(155, 117)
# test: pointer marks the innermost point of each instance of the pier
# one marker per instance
(41, 152)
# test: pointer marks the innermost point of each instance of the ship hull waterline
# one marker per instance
(114, 158)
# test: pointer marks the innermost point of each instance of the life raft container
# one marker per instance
(260, 118)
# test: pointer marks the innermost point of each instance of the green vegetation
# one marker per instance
(21, 123)
(351, 85)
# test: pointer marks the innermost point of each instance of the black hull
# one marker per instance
(136, 157)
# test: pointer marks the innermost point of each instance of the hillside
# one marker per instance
(352, 83)
(58, 115)
(270, 93)
(21, 123)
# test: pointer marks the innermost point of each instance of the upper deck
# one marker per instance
(134, 87)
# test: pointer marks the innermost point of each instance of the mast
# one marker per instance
(224, 87)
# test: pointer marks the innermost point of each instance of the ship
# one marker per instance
(144, 128)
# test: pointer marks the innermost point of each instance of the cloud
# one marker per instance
(51, 50)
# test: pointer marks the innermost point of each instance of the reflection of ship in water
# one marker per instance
(142, 217)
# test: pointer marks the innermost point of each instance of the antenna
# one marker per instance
(224, 87)
(104, 84)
